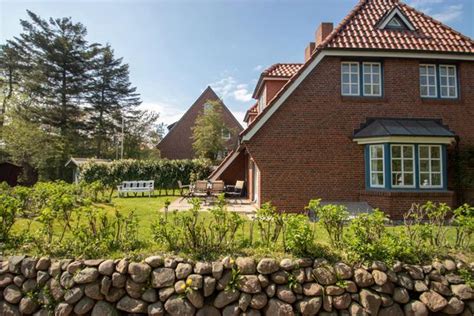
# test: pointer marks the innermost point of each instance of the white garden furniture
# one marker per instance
(136, 187)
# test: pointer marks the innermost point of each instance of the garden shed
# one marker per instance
(75, 163)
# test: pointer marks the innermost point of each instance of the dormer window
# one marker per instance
(395, 20)
(262, 101)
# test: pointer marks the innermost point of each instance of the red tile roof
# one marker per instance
(282, 70)
(359, 30)
(252, 111)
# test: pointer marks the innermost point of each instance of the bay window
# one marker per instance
(406, 166)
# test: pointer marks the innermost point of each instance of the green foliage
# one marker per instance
(66, 221)
(333, 218)
(298, 235)
(270, 224)
(463, 221)
(103, 234)
(207, 132)
(467, 276)
(9, 208)
(370, 240)
(191, 233)
(165, 173)
(235, 278)
(30, 146)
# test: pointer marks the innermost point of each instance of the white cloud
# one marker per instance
(439, 9)
(258, 68)
(169, 113)
(230, 87)
(451, 13)
(424, 3)
(242, 93)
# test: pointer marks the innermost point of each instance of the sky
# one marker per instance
(176, 48)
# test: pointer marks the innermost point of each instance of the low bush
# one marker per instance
(332, 218)
(200, 237)
(298, 236)
(270, 224)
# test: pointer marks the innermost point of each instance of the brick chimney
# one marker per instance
(323, 31)
(309, 50)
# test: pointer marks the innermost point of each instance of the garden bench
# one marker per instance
(142, 187)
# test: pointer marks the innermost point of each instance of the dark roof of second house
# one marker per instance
(382, 127)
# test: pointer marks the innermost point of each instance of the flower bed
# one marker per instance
(176, 286)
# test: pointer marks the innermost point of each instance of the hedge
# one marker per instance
(166, 173)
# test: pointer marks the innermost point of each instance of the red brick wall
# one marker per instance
(305, 150)
(178, 143)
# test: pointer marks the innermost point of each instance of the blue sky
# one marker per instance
(176, 48)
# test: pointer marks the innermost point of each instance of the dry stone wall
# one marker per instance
(176, 286)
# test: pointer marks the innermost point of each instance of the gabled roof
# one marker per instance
(382, 127)
(359, 30)
(207, 94)
(277, 71)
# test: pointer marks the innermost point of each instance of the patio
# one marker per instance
(239, 205)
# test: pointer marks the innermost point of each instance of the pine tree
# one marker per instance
(110, 98)
(9, 78)
(55, 63)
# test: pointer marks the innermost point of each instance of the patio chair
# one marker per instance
(199, 189)
(217, 188)
(183, 187)
(236, 190)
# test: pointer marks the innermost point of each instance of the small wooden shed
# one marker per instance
(76, 163)
(10, 173)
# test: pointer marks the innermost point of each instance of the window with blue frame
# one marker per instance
(406, 166)
(438, 81)
(361, 79)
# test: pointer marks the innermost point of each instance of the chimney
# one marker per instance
(323, 31)
(309, 50)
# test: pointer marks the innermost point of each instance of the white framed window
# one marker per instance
(448, 81)
(430, 166)
(350, 78)
(376, 162)
(428, 81)
(226, 134)
(403, 166)
(372, 74)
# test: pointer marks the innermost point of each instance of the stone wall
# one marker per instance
(176, 286)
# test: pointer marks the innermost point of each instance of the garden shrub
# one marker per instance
(270, 224)
(333, 218)
(201, 237)
(101, 234)
(298, 235)
(463, 221)
(9, 208)
(369, 239)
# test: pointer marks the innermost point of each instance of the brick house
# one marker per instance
(178, 143)
(375, 114)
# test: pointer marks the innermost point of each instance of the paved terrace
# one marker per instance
(239, 205)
